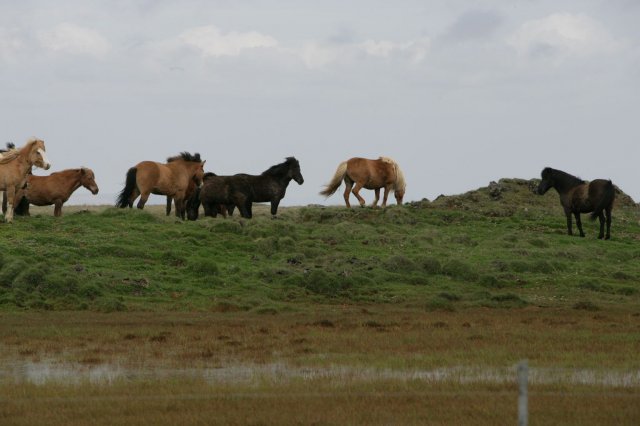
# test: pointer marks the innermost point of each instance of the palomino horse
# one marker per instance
(15, 164)
(368, 174)
(578, 196)
(170, 179)
(243, 190)
(53, 189)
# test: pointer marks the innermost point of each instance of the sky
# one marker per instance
(458, 92)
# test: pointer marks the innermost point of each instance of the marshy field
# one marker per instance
(416, 314)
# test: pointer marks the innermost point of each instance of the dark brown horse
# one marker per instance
(53, 189)
(193, 202)
(171, 179)
(242, 190)
(577, 196)
(368, 174)
(15, 165)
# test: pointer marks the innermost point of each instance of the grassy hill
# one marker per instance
(500, 246)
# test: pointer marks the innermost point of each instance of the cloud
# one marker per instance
(210, 41)
(10, 45)
(74, 40)
(474, 25)
(563, 33)
(316, 55)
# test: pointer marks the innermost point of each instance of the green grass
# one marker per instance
(471, 250)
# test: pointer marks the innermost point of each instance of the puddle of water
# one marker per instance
(44, 372)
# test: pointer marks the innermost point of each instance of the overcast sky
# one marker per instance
(459, 92)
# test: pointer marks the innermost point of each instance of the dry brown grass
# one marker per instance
(340, 365)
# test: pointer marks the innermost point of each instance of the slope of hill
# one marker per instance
(498, 246)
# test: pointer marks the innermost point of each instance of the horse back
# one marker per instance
(372, 174)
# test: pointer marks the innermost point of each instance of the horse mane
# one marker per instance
(400, 184)
(10, 146)
(560, 178)
(282, 168)
(185, 156)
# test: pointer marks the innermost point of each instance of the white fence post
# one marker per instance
(523, 398)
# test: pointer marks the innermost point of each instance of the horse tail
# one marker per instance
(336, 181)
(606, 201)
(129, 187)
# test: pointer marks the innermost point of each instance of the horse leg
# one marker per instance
(347, 191)
(134, 194)
(356, 192)
(10, 195)
(169, 200)
(143, 200)
(579, 223)
(375, 200)
(274, 207)
(569, 225)
(4, 202)
(57, 210)
(608, 211)
(601, 219)
(386, 195)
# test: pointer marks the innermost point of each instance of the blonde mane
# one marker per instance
(400, 184)
(12, 154)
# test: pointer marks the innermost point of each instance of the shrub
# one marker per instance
(399, 263)
(31, 278)
(430, 265)
(459, 270)
(11, 271)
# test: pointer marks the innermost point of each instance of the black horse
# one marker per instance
(577, 196)
(242, 190)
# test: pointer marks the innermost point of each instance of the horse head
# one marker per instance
(198, 176)
(37, 156)
(88, 180)
(547, 180)
(294, 170)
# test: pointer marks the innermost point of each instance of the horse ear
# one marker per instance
(82, 171)
(204, 162)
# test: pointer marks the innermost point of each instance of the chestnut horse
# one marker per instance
(368, 174)
(15, 164)
(53, 189)
(191, 189)
(578, 196)
(170, 179)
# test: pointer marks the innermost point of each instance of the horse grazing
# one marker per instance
(368, 174)
(242, 190)
(210, 209)
(15, 165)
(53, 189)
(577, 196)
(170, 179)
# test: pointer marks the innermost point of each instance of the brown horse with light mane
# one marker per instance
(170, 179)
(53, 189)
(15, 164)
(368, 174)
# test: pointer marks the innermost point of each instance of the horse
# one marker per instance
(368, 174)
(193, 203)
(577, 196)
(188, 194)
(242, 190)
(53, 189)
(170, 179)
(15, 164)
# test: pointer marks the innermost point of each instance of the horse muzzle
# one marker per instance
(95, 190)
